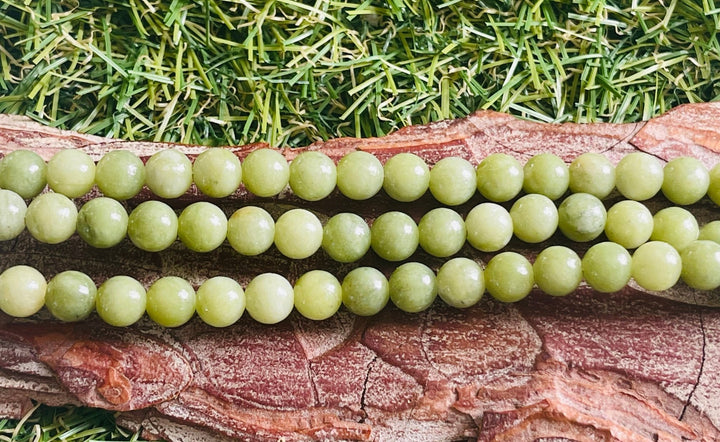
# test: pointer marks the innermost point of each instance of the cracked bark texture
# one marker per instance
(626, 366)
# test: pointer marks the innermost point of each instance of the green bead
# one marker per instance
(407, 177)
(168, 173)
(265, 172)
(152, 226)
(656, 266)
(346, 237)
(220, 301)
(250, 230)
(714, 187)
(581, 217)
(460, 282)
(298, 234)
(499, 177)
(51, 218)
(394, 236)
(534, 217)
(489, 227)
(312, 175)
(592, 173)
(710, 231)
(102, 222)
(121, 301)
(24, 172)
(171, 301)
(441, 232)
(629, 223)
(365, 291)
(685, 180)
(202, 227)
(71, 172)
(70, 296)
(269, 298)
(318, 295)
(701, 265)
(359, 175)
(453, 181)
(639, 176)
(546, 174)
(12, 215)
(606, 267)
(120, 174)
(557, 271)
(413, 287)
(22, 291)
(509, 277)
(217, 172)
(675, 226)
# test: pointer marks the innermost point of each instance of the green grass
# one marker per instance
(290, 72)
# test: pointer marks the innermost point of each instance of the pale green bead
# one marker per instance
(71, 172)
(24, 172)
(638, 176)
(413, 287)
(318, 295)
(509, 277)
(453, 181)
(592, 173)
(710, 231)
(557, 270)
(346, 237)
(460, 282)
(217, 172)
(22, 291)
(407, 177)
(70, 296)
(629, 223)
(121, 301)
(220, 301)
(701, 265)
(535, 218)
(120, 174)
(581, 217)
(168, 173)
(394, 236)
(656, 266)
(51, 218)
(12, 214)
(442, 232)
(365, 291)
(298, 233)
(546, 174)
(312, 175)
(102, 222)
(675, 226)
(171, 301)
(606, 267)
(685, 180)
(250, 230)
(202, 227)
(269, 298)
(714, 187)
(359, 175)
(499, 177)
(489, 227)
(265, 172)
(152, 226)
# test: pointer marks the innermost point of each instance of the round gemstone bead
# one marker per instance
(675, 226)
(220, 301)
(24, 172)
(413, 287)
(359, 175)
(509, 277)
(499, 177)
(102, 222)
(12, 214)
(70, 296)
(460, 282)
(656, 266)
(710, 231)
(152, 226)
(442, 232)
(202, 227)
(121, 301)
(71, 172)
(250, 230)
(592, 173)
(365, 291)
(120, 174)
(534, 217)
(346, 237)
(51, 218)
(557, 270)
(22, 291)
(546, 174)
(701, 265)
(265, 172)
(489, 227)
(638, 176)
(453, 181)
(407, 177)
(629, 223)
(168, 173)
(318, 295)
(312, 175)
(685, 180)
(217, 172)
(581, 217)
(171, 301)
(394, 236)
(298, 233)
(269, 298)
(606, 267)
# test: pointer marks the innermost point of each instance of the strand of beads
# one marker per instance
(312, 175)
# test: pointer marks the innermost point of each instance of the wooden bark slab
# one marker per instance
(626, 366)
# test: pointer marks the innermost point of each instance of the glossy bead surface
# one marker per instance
(24, 172)
(102, 222)
(217, 172)
(312, 175)
(220, 301)
(318, 295)
(202, 227)
(359, 175)
(581, 217)
(441, 232)
(121, 301)
(152, 226)
(70, 296)
(489, 227)
(509, 277)
(168, 173)
(269, 298)
(346, 237)
(546, 174)
(701, 265)
(534, 217)
(499, 177)
(685, 180)
(394, 236)
(606, 267)
(71, 172)
(714, 188)
(656, 266)
(171, 301)
(250, 230)
(298, 233)
(12, 214)
(675, 226)
(413, 287)
(710, 231)
(365, 291)
(460, 282)
(592, 173)
(120, 174)
(407, 177)
(629, 223)
(452, 181)
(265, 172)
(51, 218)
(638, 176)
(22, 291)
(557, 270)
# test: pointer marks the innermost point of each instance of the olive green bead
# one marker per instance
(313, 176)
(452, 181)
(152, 226)
(675, 226)
(639, 176)
(217, 172)
(701, 265)
(298, 233)
(251, 230)
(460, 282)
(202, 227)
(489, 227)
(413, 287)
(220, 301)
(346, 237)
(499, 177)
(71, 172)
(592, 173)
(606, 267)
(534, 217)
(365, 291)
(24, 172)
(171, 301)
(546, 174)
(685, 180)
(318, 295)
(710, 231)
(359, 175)
(12, 214)
(656, 266)
(509, 277)
(407, 177)
(441, 232)
(121, 301)
(120, 174)
(394, 236)
(70, 296)
(629, 223)
(557, 270)
(581, 217)
(51, 218)
(265, 172)
(168, 173)
(102, 222)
